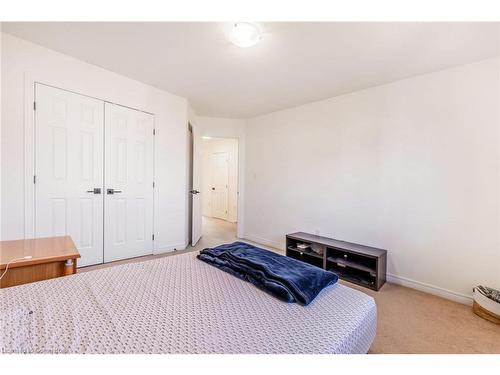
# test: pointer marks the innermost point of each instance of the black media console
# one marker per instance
(358, 264)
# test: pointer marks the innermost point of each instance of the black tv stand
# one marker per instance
(358, 264)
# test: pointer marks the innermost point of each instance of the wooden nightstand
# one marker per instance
(50, 257)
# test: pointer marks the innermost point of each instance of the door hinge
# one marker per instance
(34, 106)
(153, 184)
(154, 131)
(153, 236)
(34, 179)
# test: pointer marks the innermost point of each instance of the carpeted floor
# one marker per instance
(409, 321)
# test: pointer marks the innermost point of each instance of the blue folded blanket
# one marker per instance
(286, 278)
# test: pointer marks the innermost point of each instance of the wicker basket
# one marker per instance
(487, 303)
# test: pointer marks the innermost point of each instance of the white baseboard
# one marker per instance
(263, 241)
(399, 280)
(170, 248)
(431, 289)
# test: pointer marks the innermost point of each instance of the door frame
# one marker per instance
(30, 82)
(240, 138)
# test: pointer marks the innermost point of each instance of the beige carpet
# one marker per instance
(409, 321)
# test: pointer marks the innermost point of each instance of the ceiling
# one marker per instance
(294, 63)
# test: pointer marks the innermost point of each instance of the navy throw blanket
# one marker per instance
(285, 278)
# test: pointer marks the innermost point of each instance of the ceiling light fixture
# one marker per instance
(244, 34)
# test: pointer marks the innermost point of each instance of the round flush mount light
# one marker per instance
(244, 34)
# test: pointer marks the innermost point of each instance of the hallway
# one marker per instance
(215, 232)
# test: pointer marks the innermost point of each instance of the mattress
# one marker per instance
(178, 304)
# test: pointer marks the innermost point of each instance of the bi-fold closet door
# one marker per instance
(93, 175)
(128, 175)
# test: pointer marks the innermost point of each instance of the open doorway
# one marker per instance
(219, 187)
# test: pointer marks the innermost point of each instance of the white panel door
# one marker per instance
(128, 202)
(68, 167)
(195, 193)
(220, 181)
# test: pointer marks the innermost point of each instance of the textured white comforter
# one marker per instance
(177, 304)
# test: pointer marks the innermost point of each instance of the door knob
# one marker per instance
(194, 191)
(95, 191)
(112, 191)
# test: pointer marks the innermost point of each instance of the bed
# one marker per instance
(178, 304)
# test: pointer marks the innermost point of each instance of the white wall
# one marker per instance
(229, 128)
(221, 127)
(1, 115)
(411, 166)
(22, 62)
(216, 145)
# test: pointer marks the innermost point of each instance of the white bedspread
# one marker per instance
(177, 304)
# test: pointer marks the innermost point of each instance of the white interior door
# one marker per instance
(195, 193)
(220, 182)
(128, 202)
(68, 167)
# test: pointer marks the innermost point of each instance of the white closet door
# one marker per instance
(220, 181)
(68, 167)
(128, 206)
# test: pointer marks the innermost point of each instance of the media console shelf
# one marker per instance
(358, 264)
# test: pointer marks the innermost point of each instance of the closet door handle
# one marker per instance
(95, 191)
(112, 191)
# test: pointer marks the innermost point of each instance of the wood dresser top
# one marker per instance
(42, 250)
